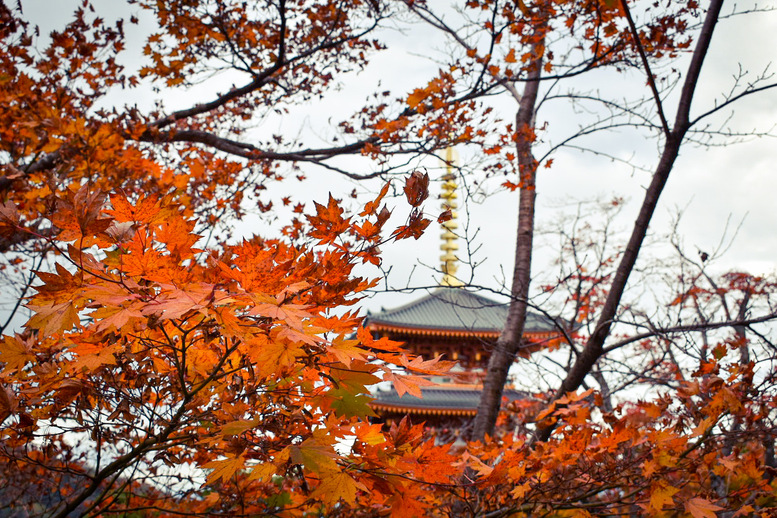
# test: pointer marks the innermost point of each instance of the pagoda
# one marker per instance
(457, 323)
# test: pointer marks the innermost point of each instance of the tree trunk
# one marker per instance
(509, 340)
(594, 346)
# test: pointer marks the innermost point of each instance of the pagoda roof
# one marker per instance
(438, 400)
(455, 309)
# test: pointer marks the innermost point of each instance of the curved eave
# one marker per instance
(399, 409)
(431, 331)
(454, 333)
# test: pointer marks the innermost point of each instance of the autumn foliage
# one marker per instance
(230, 361)
(168, 369)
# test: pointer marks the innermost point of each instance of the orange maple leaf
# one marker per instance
(346, 351)
(315, 453)
(93, 356)
(702, 508)
(335, 486)
(328, 223)
(223, 469)
(238, 427)
(291, 314)
(273, 356)
(406, 383)
(434, 366)
(53, 318)
(371, 207)
(15, 353)
(145, 210)
(661, 495)
(417, 96)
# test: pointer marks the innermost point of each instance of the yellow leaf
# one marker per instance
(296, 336)
(345, 351)
(729, 463)
(355, 378)
(263, 472)
(53, 319)
(747, 510)
(14, 353)
(52, 145)
(238, 427)
(477, 465)
(117, 318)
(276, 355)
(314, 453)
(370, 433)
(335, 486)
(346, 403)
(223, 469)
(520, 490)
(661, 495)
(702, 508)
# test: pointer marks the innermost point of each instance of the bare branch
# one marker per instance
(643, 56)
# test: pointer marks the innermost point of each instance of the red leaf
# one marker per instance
(417, 188)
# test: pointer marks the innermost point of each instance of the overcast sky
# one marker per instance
(716, 188)
(711, 186)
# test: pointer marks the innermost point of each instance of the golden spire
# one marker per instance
(449, 238)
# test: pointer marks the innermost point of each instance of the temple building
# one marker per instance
(456, 322)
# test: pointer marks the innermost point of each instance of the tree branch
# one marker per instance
(643, 56)
(703, 326)
(730, 101)
(593, 349)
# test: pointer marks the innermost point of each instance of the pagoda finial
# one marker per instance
(449, 238)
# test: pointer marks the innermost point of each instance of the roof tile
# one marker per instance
(456, 309)
(442, 398)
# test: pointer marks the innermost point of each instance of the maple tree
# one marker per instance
(152, 357)
(516, 51)
(519, 47)
(700, 367)
(231, 362)
(163, 372)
